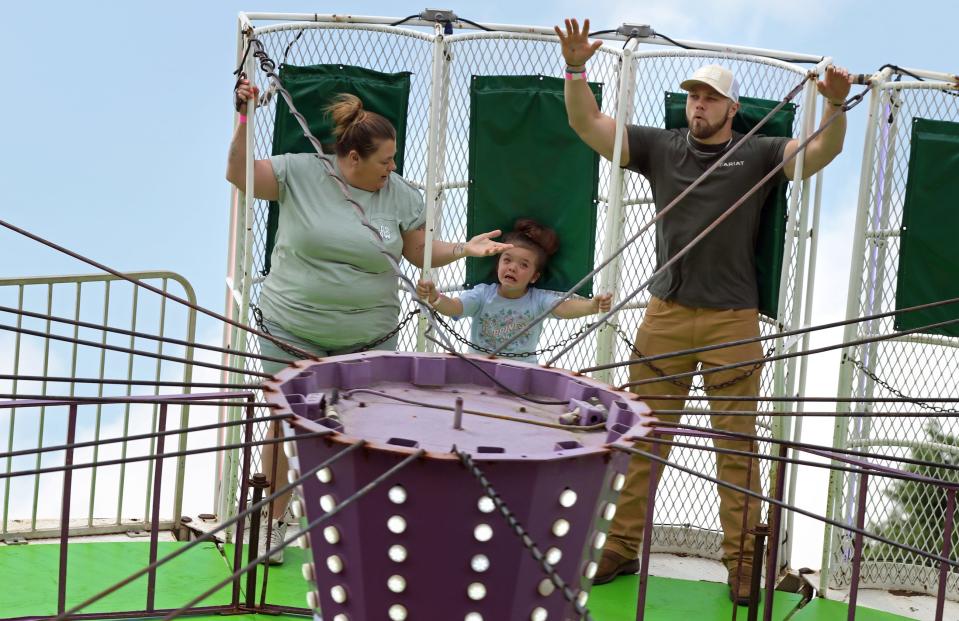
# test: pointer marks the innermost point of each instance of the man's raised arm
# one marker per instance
(592, 126)
(827, 145)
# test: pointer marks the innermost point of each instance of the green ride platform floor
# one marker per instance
(671, 599)
(28, 575)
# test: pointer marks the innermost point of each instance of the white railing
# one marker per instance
(112, 493)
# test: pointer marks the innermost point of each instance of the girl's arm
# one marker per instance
(580, 307)
(444, 305)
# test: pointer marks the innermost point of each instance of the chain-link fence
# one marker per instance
(687, 527)
(908, 368)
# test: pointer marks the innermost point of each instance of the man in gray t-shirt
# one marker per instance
(720, 272)
(709, 296)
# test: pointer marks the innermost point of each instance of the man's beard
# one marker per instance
(703, 130)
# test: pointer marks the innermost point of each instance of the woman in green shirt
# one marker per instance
(330, 289)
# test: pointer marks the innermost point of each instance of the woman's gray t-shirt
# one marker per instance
(329, 283)
(720, 271)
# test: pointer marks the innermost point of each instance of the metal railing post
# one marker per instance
(946, 550)
(65, 509)
(840, 430)
(434, 175)
(784, 381)
(857, 544)
(155, 513)
(615, 214)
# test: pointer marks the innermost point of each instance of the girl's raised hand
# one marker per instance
(425, 289)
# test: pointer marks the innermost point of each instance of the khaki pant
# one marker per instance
(669, 327)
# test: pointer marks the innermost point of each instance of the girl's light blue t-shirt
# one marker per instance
(496, 319)
(328, 282)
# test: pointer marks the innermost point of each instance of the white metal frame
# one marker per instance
(436, 135)
(852, 311)
(873, 226)
(616, 215)
(800, 240)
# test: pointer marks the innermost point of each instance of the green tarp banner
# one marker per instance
(772, 223)
(928, 263)
(313, 88)
(525, 161)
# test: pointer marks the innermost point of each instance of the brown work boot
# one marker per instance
(739, 580)
(612, 564)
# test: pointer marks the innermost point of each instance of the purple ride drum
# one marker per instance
(429, 543)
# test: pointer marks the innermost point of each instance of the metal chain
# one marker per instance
(521, 354)
(261, 325)
(922, 404)
(689, 386)
(520, 532)
(258, 317)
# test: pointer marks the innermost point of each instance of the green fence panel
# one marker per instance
(770, 244)
(312, 88)
(928, 262)
(525, 161)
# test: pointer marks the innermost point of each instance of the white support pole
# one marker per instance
(795, 213)
(189, 354)
(791, 242)
(434, 145)
(949, 78)
(783, 374)
(248, 217)
(877, 272)
(804, 361)
(800, 232)
(852, 310)
(224, 469)
(616, 214)
(243, 282)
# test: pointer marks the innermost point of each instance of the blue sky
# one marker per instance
(117, 116)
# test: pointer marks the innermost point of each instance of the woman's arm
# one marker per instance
(444, 253)
(580, 307)
(265, 185)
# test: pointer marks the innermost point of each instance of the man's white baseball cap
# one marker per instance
(718, 77)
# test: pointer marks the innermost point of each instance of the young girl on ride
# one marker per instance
(501, 310)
